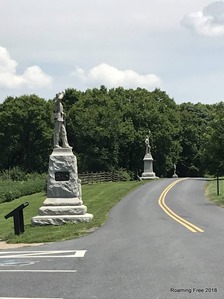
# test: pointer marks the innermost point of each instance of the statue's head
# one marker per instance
(60, 95)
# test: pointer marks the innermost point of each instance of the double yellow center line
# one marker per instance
(193, 228)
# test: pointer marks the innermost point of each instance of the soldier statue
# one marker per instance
(148, 147)
(59, 123)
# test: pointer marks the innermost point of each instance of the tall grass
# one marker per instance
(212, 194)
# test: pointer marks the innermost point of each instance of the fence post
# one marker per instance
(217, 181)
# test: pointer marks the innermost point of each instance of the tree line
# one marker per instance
(107, 129)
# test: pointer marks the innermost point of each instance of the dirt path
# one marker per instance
(4, 245)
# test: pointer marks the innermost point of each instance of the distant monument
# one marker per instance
(64, 197)
(174, 171)
(148, 161)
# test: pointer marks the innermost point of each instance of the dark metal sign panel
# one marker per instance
(62, 176)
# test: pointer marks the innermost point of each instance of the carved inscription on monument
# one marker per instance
(62, 176)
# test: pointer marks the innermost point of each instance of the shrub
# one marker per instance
(122, 175)
(10, 190)
(15, 174)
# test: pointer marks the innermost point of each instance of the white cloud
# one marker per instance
(31, 78)
(208, 22)
(110, 76)
(144, 36)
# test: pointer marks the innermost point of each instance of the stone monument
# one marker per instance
(148, 161)
(64, 197)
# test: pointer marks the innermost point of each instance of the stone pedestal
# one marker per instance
(148, 168)
(64, 197)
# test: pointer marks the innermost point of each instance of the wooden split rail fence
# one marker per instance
(97, 177)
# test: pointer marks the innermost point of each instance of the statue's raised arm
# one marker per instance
(59, 122)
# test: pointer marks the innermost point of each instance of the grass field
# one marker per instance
(211, 191)
(99, 199)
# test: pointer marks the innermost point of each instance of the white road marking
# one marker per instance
(26, 298)
(7, 263)
(42, 254)
(40, 271)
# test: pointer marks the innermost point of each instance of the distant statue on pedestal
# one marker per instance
(59, 123)
(148, 161)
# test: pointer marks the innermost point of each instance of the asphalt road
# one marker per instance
(146, 250)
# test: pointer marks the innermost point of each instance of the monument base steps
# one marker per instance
(64, 194)
(61, 219)
(75, 201)
(63, 210)
(148, 176)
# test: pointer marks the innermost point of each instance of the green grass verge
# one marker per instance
(211, 191)
(99, 199)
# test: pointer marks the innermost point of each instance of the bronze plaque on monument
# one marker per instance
(62, 176)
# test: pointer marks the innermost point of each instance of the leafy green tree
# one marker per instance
(70, 98)
(25, 133)
(93, 126)
(213, 157)
(156, 112)
(195, 119)
(108, 127)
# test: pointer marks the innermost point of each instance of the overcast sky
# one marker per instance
(47, 46)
